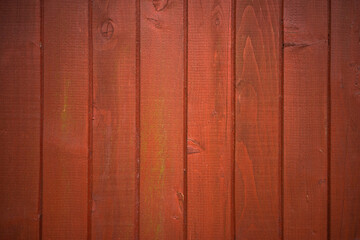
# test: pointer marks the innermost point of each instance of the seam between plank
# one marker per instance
(41, 171)
(90, 121)
(329, 126)
(138, 131)
(233, 69)
(282, 82)
(185, 115)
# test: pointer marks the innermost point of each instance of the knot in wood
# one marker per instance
(160, 5)
(107, 29)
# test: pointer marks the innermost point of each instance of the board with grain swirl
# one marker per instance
(210, 135)
(258, 120)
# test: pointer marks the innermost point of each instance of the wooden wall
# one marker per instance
(180, 119)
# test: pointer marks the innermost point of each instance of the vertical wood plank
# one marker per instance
(305, 118)
(66, 79)
(19, 119)
(345, 120)
(161, 120)
(114, 125)
(258, 120)
(210, 121)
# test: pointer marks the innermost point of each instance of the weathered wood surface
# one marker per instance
(179, 119)
(258, 120)
(210, 135)
(114, 124)
(161, 120)
(305, 119)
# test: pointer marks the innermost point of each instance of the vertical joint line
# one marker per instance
(90, 121)
(40, 207)
(137, 120)
(185, 113)
(329, 126)
(282, 114)
(282, 80)
(233, 69)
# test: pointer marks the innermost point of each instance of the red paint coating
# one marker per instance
(114, 139)
(210, 123)
(66, 82)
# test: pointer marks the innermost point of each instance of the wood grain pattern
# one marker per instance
(66, 78)
(210, 122)
(114, 138)
(258, 120)
(19, 119)
(345, 120)
(305, 119)
(161, 120)
(180, 119)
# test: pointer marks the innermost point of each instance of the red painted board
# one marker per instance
(210, 137)
(345, 120)
(20, 119)
(161, 120)
(66, 93)
(258, 120)
(114, 128)
(305, 119)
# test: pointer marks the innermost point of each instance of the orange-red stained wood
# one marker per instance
(258, 120)
(305, 119)
(114, 128)
(65, 119)
(161, 120)
(210, 121)
(19, 119)
(345, 120)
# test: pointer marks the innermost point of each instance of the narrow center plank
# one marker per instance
(161, 120)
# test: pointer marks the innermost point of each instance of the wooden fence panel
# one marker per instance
(114, 124)
(66, 96)
(305, 119)
(345, 120)
(161, 120)
(258, 120)
(20, 119)
(180, 119)
(210, 120)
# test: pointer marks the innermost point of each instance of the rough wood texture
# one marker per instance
(19, 119)
(210, 122)
(180, 119)
(65, 119)
(258, 120)
(305, 119)
(345, 120)
(161, 112)
(114, 138)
